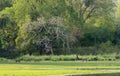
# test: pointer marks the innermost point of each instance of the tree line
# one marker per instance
(44, 27)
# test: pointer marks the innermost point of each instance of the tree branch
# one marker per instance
(81, 8)
(84, 10)
(89, 14)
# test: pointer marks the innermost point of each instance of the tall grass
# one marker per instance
(63, 58)
(68, 58)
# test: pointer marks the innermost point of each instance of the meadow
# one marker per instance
(58, 68)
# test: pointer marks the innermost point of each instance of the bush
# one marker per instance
(33, 58)
(55, 58)
(117, 57)
(109, 58)
(4, 60)
(68, 58)
(97, 58)
(46, 58)
(9, 54)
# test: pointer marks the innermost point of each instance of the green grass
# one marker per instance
(51, 68)
(69, 58)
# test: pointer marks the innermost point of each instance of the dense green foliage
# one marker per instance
(58, 27)
(38, 59)
(68, 58)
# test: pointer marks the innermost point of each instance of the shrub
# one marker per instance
(109, 58)
(68, 58)
(4, 60)
(9, 54)
(117, 57)
(55, 58)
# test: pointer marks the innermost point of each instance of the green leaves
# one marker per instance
(60, 21)
(43, 31)
(5, 3)
(118, 12)
(4, 20)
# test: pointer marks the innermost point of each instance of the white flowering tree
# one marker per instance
(42, 35)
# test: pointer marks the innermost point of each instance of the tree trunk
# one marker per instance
(68, 46)
(95, 46)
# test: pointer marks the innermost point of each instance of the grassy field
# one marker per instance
(58, 68)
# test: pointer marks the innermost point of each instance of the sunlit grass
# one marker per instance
(50, 72)
(57, 68)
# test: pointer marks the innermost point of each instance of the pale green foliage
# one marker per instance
(118, 12)
(108, 48)
(95, 8)
(5, 3)
(60, 21)
(37, 31)
(8, 35)
(21, 11)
